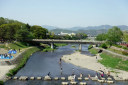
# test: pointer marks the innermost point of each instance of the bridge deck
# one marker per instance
(67, 41)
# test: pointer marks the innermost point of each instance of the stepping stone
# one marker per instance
(32, 78)
(15, 78)
(109, 78)
(9, 78)
(86, 78)
(23, 78)
(38, 78)
(56, 78)
(73, 83)
(64, 83)
(47, 78)
(62, 78)
(69, 78)
(110, 82)
(101, 81)
(94, 79)
(79, 78)
(103, 78)
(83, 83)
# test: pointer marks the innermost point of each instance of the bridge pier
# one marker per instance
(80, 47)
(52, 46)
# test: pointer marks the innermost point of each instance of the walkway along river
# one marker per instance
(41, 63)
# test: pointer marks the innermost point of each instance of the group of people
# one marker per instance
(5, 56)
(102, 73)
(12, 51)
(8, 55)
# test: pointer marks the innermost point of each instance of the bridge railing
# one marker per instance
(58, 40)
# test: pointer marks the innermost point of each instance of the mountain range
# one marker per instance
(90, 30)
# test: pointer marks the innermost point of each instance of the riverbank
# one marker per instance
(25, 56)
(10, 70)
(92, 63)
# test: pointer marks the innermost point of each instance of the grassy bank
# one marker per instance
(93, 51)
(18, 45)
(15, 45)
(113, 62)
(118, 51)
(59, 44)
(23, 61)
(109, 61)
(48, 48)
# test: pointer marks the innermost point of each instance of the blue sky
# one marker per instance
(66, 13)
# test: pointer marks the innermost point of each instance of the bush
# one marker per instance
(1, 83)
(125, 48)
(119, 46)
(90, 46)
(124, 53)
(93, 51)
(104, 46)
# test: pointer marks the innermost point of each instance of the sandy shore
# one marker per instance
(92, 63)
(4, 70)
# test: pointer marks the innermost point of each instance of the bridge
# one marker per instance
(52, 41)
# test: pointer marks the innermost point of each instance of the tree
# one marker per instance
(39, 32)
(101, 37)
(114, 35)
(28, 26)
(81, 36)
(23, 34)
(125, 36)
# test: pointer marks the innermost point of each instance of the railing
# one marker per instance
(72, 41)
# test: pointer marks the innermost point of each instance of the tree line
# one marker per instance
(113, 36)
(11, 30)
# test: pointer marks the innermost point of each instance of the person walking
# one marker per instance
(60, 61)
(81, 75)
(73, 71)
(108, 74)
(61, 70)
(19, 49)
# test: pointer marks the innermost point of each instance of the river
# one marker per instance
(41, 63)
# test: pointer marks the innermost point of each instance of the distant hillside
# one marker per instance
(90, 30)
(57, 31)
(122, 27)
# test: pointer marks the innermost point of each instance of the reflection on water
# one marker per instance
(40, 63)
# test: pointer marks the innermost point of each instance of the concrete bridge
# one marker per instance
(52, 41)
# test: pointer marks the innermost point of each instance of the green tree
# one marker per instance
(81, 36)
(23, 34)
(114, 35)
(28, 26)
(125, 36)
(101, 37)
(39, 32)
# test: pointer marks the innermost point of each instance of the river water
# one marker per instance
(41, 63)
